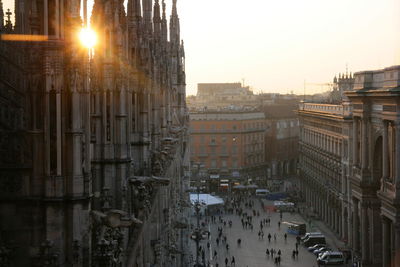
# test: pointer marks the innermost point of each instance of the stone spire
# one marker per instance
(1, 15)
(147, 6)
(174, 25)
(8, 21)
(174, 9)
(164, 27)
(134, 10)
(157, 19)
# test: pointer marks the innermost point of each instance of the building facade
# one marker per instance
(94, 144)
(359, 176)
(324, 163)
(281, 139)
(375, 170)
(229, 144)
(222, 95)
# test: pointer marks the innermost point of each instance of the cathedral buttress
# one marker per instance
(1, 15)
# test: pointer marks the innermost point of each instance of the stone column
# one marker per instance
(326, 209)
(306, 134)
(364, 232)
(356, 234)
(329, 139)
(375, 233)
(343, 230)
(355, 141)
(314, 139)
(397, 158)
(396, 229)
(334, 216)
(320, 207)
(385, 242)
(385, 152)
(364, 144)
(334, 145)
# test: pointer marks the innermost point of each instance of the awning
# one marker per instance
(206, 199)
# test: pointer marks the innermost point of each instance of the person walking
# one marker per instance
(233, 261)
(285, 236)
(275, 237)
(267, 252)
(215, 255)
(279, 225)
(226, 262)
(279, 252)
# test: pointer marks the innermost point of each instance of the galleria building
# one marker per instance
(93, 158)
(350, 163)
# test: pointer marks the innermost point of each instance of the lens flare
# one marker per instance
(88, 37)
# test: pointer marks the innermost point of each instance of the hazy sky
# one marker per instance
(276, 45)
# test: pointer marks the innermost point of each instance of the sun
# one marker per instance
(88, 37)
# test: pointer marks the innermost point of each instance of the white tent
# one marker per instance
(206, 199)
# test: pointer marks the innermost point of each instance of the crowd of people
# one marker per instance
(217, 246)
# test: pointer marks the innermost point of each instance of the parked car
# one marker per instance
(317, 246)
(330, 258)
(314, 239)
(317, 252)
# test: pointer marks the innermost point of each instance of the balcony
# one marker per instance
(388, 190)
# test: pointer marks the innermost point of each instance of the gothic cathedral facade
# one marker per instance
(93, 161)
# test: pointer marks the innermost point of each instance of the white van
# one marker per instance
(331, 257)
(262, 192)
(310, 234)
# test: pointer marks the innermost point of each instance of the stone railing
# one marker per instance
(342, 110)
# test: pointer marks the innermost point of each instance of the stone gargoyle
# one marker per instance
(114, 218)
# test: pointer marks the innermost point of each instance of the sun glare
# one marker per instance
(88, 37)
